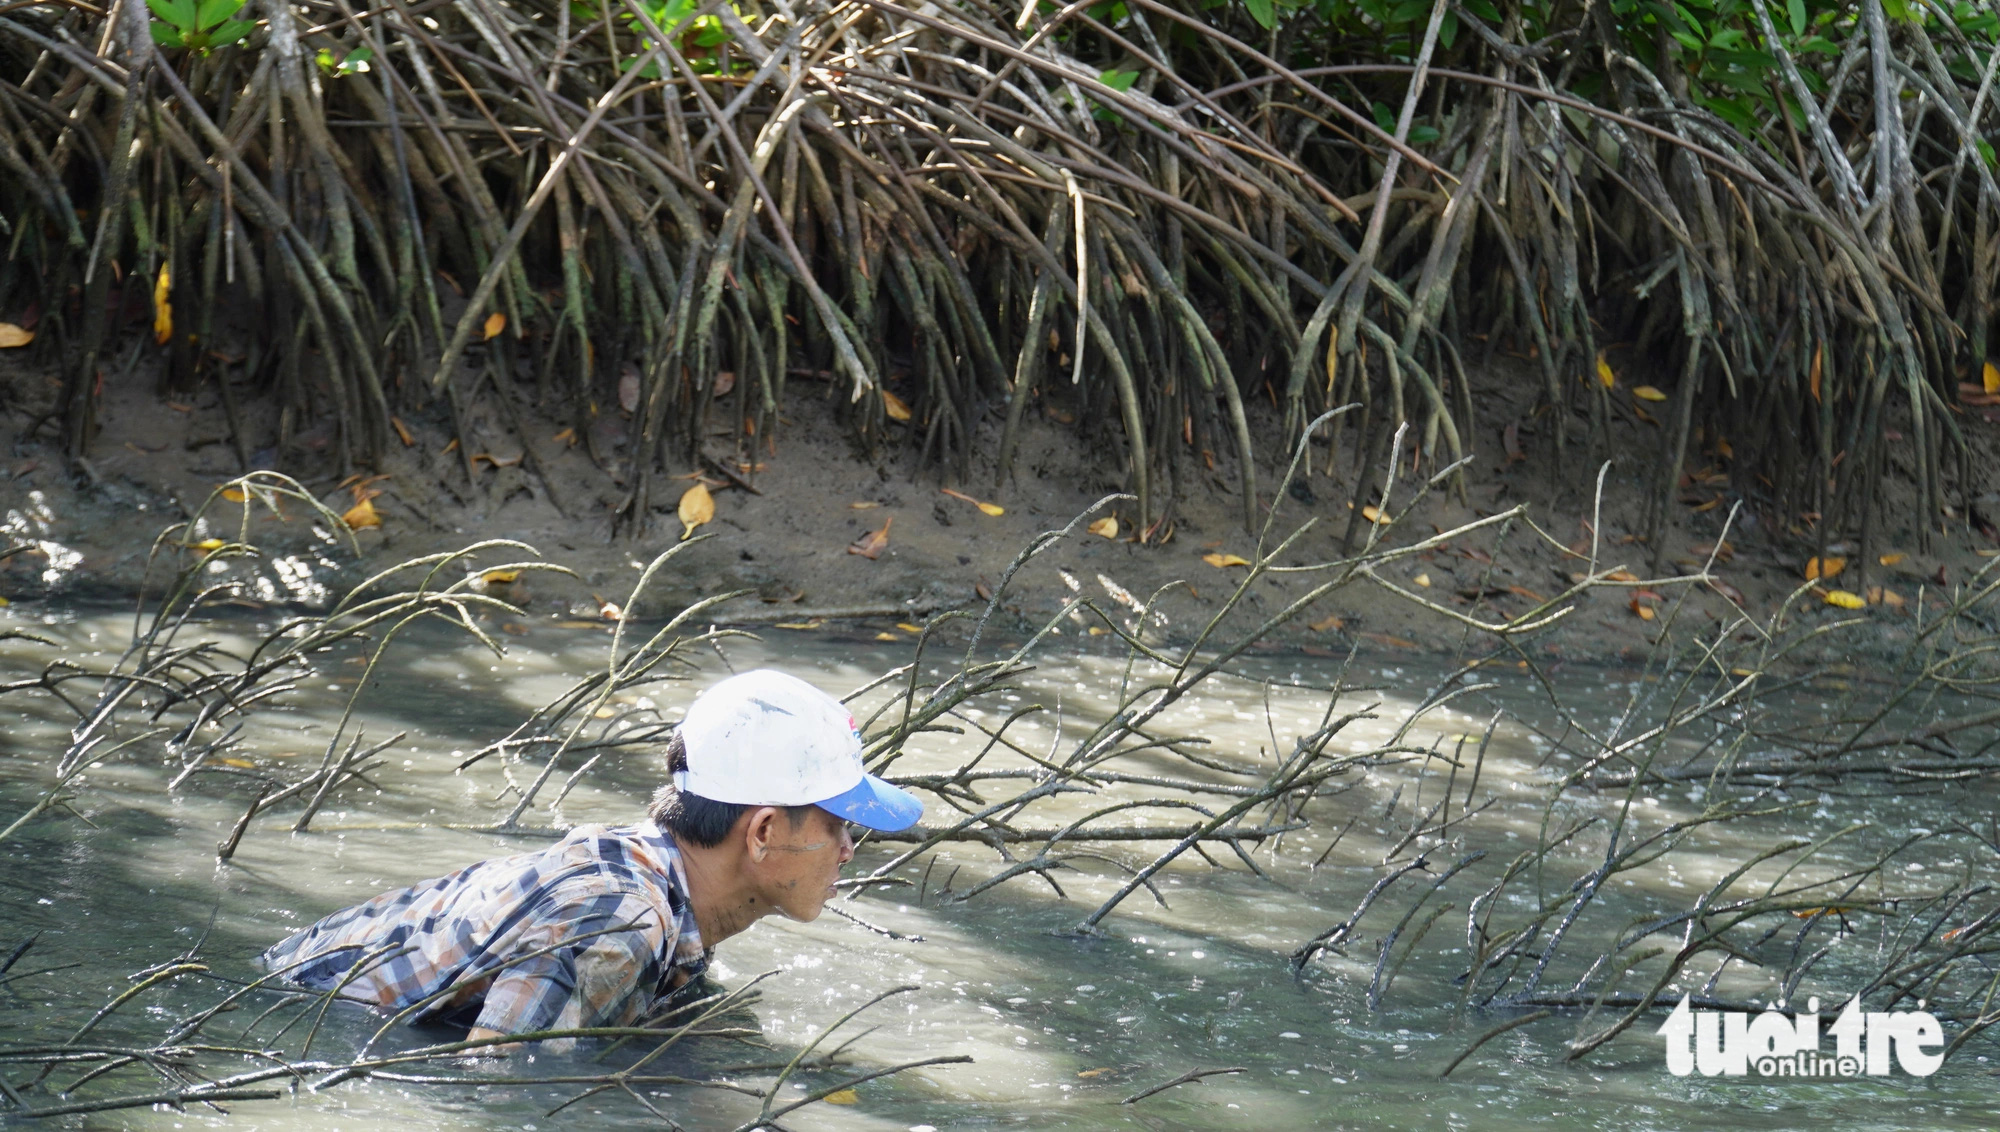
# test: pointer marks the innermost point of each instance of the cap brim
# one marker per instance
(876, 804)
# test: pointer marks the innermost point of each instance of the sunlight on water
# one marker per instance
(1060, 1028)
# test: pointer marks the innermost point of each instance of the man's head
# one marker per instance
(766, 771)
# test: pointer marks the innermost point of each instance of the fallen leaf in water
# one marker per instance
(361, 516)
(843, 1096)
(1395, 642)
(1892, 559)
(1648, 393)
(887, 637)
(813, 624)
(609, 610)
(1374, 514)
(697, 507)
(1087, 1074)
(1604, 374)
(1098, 631)
(870, 545)
(1844, 599)
(163, 311)
(12, 336)
(993, 509)
(1106, 527)
(514, 628)
(604, 713)
(209, 544)
(894, 406)
(1225, 560)
(1642, 610)
(495, 323)
(1816, 569)
(906, 627)
(241, 764)
(1423, 580)
(725, 380)
(1326, 623)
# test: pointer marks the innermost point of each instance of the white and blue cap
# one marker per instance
(763, 738)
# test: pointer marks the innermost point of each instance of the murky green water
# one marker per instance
(1060, 1028)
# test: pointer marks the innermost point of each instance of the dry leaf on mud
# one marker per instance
(1642, 610)
(495, 323)
(1816, 569)
(1106, 527)
(361, 516)
(697, 507)
(887, 637)
(1604, 374)
(1423, 580)
(1648, 393)
(871, 545)
(1892, 558)
(1330, 622)
(895, 406)
(208, 544)
(993, 509)
(12, 336)
(1844, 599)
(402, 432)
(1225, 560)
(1989, 378)
(163, 311)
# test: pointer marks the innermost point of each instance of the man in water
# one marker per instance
(591, 932)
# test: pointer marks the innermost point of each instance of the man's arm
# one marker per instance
(601, 980)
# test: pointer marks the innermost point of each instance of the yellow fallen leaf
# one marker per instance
(495, 323)
(1644, 611)
(1098, 631)
(240, 764)
(895, 406)
(1374, 514)
(1844, 600)
(887, 637)
(1648, 393)
(1990, 378)
(1087, 1074)
(1423, 580)
(1225, 560)
(500, 577)
(798, 624)
(361, 516)
(163, 311)
(4, 603)
(12, 336)
(1106, 527)
(1891, 598)
(233, 495)
(843, 1096)
(864, 505)
(697, 507)
(1604, 373)
(1898, 556)
(209, 544)
(906, 627)
(566, 436)
(402, 432)
(993, 509)
(1816, 569)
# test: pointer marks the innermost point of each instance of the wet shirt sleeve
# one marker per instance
(586, 959)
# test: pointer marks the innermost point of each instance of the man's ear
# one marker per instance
(758, 831)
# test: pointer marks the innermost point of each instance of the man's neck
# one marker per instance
(718, 892)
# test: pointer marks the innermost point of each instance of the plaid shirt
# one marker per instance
(502, 935)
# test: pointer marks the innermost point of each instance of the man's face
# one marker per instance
(803, 862)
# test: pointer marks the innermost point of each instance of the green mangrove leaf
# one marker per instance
(164, 35)
(213, 12)
(1263, 12)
